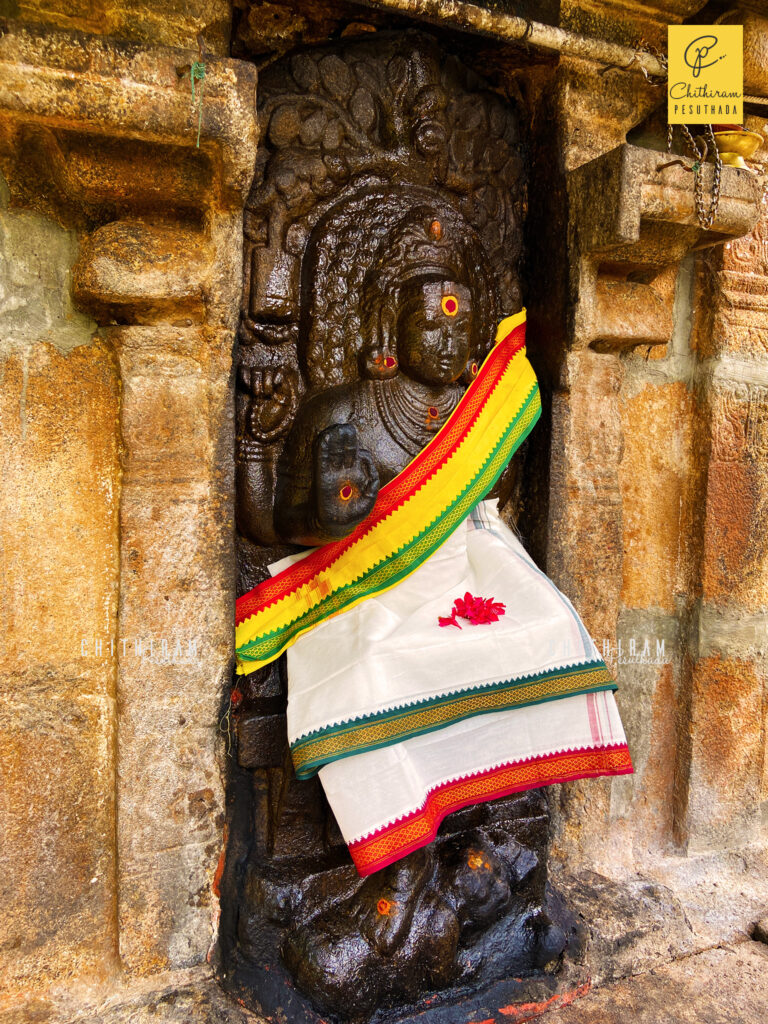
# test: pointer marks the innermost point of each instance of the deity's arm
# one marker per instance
(326, 483)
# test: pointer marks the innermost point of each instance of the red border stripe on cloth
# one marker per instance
(396, 492)
(417, 829)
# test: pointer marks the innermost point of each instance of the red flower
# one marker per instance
(477, 610)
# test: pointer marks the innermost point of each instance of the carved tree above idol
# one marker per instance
(389, 184)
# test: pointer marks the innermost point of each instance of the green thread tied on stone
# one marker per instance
(197, 74)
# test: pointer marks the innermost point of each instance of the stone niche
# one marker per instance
(356, 137)
(352, 134)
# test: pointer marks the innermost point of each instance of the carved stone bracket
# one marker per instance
(632, 220)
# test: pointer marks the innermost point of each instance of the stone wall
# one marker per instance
(60, 569)
(121, 281)
(121, 277)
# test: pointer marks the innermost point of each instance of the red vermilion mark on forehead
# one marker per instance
(346, 492)
(450, 305)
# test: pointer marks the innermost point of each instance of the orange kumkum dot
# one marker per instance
(450, 305)
(346, 492)
(476, 860)
(383, 907)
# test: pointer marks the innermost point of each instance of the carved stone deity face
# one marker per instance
(434, 330)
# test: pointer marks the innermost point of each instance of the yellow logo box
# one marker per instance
(706, 74)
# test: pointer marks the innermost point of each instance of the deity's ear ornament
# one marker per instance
(378, 360)
(470, 371)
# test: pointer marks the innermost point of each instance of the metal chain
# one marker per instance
(705, 217)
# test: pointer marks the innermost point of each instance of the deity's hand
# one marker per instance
(273, 402)
(346, 481)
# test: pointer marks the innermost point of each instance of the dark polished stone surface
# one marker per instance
(383, 239)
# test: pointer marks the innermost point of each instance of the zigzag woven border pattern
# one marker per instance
(369, 732)
(395, 840)
(278, 611)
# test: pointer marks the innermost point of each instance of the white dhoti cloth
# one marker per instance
(407, 720)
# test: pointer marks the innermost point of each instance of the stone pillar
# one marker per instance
(722, 772)
(59, 565)
(177, 574)
(117, 529)
(659, 488)
(174, 637)
(626, 470)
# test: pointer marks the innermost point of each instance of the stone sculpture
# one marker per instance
(383, 237)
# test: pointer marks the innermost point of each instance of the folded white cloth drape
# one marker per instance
(407, 720)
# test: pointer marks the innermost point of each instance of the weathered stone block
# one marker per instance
(171, 789)
(36, 255)
(735, 567)
(657, 426)
(632, 926)
(726, 760)
(175, 417)
(164, 423)
(157, 24)
(118, 91)
(131, 270)
(647, 674)
(165, 907)
(174, 537)
(629, 313)
(655, 760)
(719, 986)
(584, 557)
(58, 510)
(631, 211)
(57, 818)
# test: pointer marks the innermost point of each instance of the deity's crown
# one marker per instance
(421, 244)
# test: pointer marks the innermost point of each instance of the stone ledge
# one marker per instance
(633, 220)
(178, 997)
(727, 985)
(70, 80)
